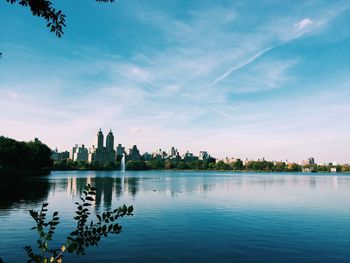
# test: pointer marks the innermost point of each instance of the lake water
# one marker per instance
(191, 216)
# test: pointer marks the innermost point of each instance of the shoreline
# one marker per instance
(194, 170)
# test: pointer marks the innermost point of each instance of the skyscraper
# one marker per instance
(101, 154)
(100, 140)
(110, 141)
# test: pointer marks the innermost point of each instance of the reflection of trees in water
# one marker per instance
(19, 191)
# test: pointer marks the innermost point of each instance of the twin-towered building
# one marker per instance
(103, 154)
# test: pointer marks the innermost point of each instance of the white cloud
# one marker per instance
(305, 23)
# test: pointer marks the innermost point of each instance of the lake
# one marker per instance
(191, 216)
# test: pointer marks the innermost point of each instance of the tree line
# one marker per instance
(177, 164)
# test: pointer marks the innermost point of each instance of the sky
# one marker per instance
(243, 79)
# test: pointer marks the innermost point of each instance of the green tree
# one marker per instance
(136, 165)
(24, 158)
(182, 166)
(155, 164)
(168, 164)
(221, 165)
(237, 165)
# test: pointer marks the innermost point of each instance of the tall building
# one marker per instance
(309, 161)
(172, 151)
(101, 154)
(100, 139)
(134, 154)
(110, 141)
(79, 154)
(120, 151)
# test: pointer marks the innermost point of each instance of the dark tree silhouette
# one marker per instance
(43, 8)
(24, 158)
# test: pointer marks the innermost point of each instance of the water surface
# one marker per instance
(192, 216)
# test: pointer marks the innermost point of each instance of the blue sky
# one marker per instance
(245, 79)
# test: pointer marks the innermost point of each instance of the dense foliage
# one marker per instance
(16, 157)
(87, 232)
(179, 164)
(67, 164)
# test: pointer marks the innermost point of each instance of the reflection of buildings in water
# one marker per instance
(109, 187)
(119, 187)
(106, 188)
(131, 185)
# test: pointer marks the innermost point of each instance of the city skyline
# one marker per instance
(85, 153)
(247, 80)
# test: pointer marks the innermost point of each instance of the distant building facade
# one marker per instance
(79, 154)
(59, 156)
(189, 157)
(159, 154)
(309, 161)
(120, 151)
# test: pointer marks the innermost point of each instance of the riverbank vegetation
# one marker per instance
(199, 165)
(24, 158)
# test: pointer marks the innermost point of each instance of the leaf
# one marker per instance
(55, 214)
(89, 198)
(130, 209)
(45, 204)
(74, 233)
